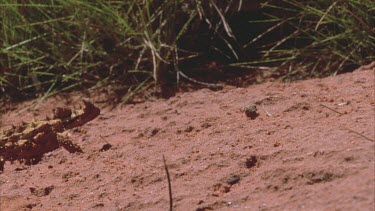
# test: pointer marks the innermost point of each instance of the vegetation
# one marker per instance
(58, 45)
(322, 37)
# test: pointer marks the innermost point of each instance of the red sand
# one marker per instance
(296, 155)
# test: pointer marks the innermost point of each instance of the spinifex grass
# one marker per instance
(57, 45)
(317, 38)
(50, 46)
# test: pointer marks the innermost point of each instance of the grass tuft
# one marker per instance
(53, 46)
(318, 38)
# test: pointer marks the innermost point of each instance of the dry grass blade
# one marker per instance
(331, 109)
(223, 20)
(325, 14)
(169, 185)
(363, 136)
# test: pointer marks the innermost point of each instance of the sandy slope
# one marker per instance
(296, 155)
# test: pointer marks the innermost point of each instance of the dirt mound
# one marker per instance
(310, 145)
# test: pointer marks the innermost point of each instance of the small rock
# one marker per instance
(105, 147)
(189, 129)
(251, 111)
(233, 180)
(42, 191)
(251, 162)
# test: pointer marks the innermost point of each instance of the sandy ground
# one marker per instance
(310, 148)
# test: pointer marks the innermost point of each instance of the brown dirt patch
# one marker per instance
(311, 147)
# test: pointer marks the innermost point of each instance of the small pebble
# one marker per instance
(233, 180)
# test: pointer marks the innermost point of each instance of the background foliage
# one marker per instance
(57, 45)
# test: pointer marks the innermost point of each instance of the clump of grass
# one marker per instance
(317, 38)
(53, 46)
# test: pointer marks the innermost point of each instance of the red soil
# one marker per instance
(311, 147)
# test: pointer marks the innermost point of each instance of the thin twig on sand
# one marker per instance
(169, 185)
(331, 109)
